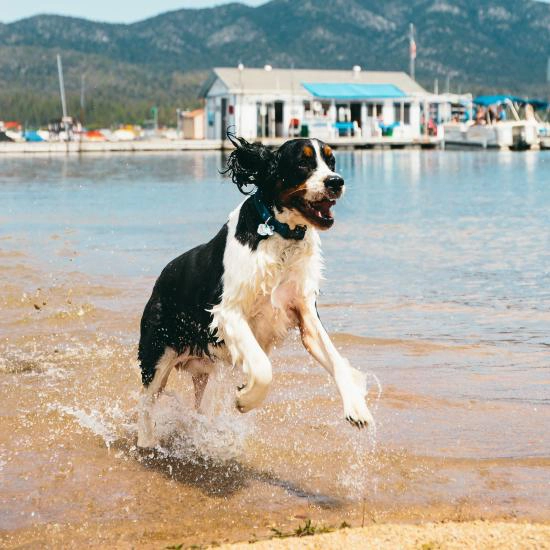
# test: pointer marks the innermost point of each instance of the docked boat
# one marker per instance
(542, 115)
(495, 122)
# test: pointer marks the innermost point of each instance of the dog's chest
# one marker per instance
(264, 286)
(281, 276)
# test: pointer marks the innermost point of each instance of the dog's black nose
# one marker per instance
(334, 183)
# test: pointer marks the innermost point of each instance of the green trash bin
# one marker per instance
(304, 131)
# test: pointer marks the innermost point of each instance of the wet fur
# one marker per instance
(238, 295)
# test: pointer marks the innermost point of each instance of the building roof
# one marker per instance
(254, 81)
(194, 113)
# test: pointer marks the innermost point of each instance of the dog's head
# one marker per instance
(298, 177)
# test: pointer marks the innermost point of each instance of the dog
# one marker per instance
(236, 297)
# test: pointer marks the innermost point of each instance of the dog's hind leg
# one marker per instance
(199, 384)
(162, 368)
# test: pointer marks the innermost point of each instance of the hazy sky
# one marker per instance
(119, 11)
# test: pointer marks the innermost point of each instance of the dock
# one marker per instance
(136, 146)
(167, 145)
(427, 142)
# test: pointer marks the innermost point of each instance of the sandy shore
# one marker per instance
(428, 536)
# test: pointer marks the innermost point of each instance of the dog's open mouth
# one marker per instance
(317, 212)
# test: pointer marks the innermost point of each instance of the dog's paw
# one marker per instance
(240, 400)
(356, 411)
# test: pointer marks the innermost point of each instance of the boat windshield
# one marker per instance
(494, 113)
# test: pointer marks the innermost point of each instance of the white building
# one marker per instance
(268, 102)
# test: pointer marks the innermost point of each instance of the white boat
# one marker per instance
(497, 124)
(542, 114)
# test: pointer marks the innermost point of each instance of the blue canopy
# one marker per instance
(32, 135)
(487, 100)
(538, 103)
(353, 91)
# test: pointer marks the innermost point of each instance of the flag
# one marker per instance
(413, 48)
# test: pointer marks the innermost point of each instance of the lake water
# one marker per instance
(437, 285)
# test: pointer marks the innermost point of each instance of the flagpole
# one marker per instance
(412, 50)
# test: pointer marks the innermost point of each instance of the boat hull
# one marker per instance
(517, 135)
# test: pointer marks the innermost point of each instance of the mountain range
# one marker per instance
(474, 45)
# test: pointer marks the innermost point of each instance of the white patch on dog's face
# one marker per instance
(315, 185)
(310, 186)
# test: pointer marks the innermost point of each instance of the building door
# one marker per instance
(264, 111)
(355, 109)
(279, 130)
(224, 118)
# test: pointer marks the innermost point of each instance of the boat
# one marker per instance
(495, 122)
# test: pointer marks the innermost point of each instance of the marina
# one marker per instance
(354, 109)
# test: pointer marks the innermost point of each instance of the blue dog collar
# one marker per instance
(271, 225)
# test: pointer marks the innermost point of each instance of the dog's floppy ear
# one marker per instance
(249, 164)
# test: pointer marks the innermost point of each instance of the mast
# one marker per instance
(82, 102)
(61, 86)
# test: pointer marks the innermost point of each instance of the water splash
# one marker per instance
(218, 431)
(96, 421)
(361, 473)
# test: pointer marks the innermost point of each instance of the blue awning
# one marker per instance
(353, 91)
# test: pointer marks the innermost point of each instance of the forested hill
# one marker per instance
(482, 45)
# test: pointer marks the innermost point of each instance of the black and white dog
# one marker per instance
(235, 297)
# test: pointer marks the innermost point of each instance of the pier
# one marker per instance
(166, 145)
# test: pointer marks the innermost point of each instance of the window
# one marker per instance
(374, 110)
(407, 113)
(402, 112)
(316, 108)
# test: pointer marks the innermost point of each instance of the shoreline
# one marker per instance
(166, 145)
(488, 535)
(430, 535)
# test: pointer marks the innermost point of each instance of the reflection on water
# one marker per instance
(437, 285)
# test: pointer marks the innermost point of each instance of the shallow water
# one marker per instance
(437, 285)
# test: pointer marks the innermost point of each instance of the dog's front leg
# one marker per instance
(350, 382)
(246, 351)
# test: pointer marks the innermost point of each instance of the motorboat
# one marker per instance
(500, 121)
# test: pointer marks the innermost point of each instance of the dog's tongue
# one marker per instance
(324, 207)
